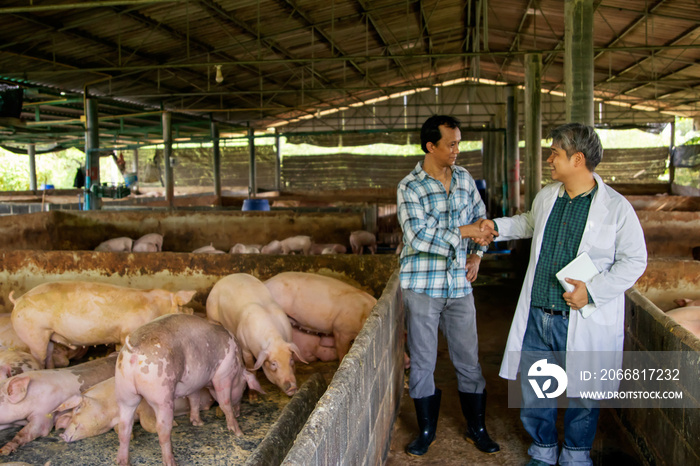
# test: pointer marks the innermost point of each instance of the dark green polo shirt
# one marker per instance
(560, 242)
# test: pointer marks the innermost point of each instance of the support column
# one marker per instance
(512, 150)
(31, 151)
(135, 162)
(278, 161)
(167, 120)
(671, 162)
(216, 154)
(533, 127)
(486, 168)
(578, 60)
(497, 199)
(92, 155)
(252, 186)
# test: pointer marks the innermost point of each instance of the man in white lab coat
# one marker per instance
(576, 213)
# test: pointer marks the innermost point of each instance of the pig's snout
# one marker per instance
(290, 388)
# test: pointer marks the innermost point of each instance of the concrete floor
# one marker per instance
(495, 303)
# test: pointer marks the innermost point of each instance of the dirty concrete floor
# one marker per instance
(495, 303)
(210, 444)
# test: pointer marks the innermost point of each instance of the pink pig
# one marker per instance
(314, 347)
(121, 244)
(361, 238)
(176, 356)
(13, 362)
(76, 313)
(322, 304)
(152, 242)
(242, 304)
(30, 399)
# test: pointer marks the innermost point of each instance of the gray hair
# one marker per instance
(576, 137)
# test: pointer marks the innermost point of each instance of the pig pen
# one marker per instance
(665, 436)
(183, 231)
(670, 234)
(350, 424)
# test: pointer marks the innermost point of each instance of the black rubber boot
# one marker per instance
(474, 410)
(427, 412)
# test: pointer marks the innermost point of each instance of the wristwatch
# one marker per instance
(479, 253)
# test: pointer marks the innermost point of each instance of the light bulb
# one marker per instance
(219, 77)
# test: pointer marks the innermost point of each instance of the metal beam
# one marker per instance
(81, 5)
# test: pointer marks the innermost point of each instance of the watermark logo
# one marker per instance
(542, 368)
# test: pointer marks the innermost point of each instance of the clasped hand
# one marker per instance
(481, 232)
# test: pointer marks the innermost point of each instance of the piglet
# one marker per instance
(323, 305)
(209, 249)
(242, 304)
(30, 399)
(361, 238)
(273, 247)
(176, 356)
(121, 244)
(13, 362)
(332, 248)
(240, 248)
(95, 412)
(77, 313)
(152, 242)
(297, 244)
(688, 317)
(314, 347)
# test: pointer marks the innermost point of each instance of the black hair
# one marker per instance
(576, 137)
(430, 132)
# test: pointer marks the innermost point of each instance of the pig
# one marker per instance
(688, 317)
(121, 244)
(77, 313)
(13, 362)
(95, 411)
(273, 247)
(146, 243)
(323, 305)
(683, 302)
(314, 347)
(242, 304)
(30, 399)
(210, 249)
(335, 248)
(240, 248)
(361, 238)
(176, 356)
(299, 243)
(61, 355)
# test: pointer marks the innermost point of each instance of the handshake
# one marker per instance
(481, 232)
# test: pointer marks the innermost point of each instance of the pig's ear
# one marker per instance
(295, 349)
(17, 389)
(62, 421)
(185, 296)
(70, 403)
(252, 382)
(262, 356)
(682, 302)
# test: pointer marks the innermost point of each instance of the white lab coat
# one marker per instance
(614, 240)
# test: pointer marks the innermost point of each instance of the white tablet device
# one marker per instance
(581, 268)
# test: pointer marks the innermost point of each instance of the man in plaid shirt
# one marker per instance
(438, 207)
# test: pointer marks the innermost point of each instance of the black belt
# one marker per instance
(554, 312)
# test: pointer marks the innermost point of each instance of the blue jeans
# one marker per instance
(545, 338)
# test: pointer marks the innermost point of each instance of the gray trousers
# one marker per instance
(456, 319)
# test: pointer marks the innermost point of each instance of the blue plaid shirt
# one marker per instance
(434, 256)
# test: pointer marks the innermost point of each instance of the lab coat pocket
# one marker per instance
(605, 238)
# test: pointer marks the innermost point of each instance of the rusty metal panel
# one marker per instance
(670, 233)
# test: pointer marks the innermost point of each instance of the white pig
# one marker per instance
(176, 356)
(240, 248)
(361, 238)
(273, 247)
(683, 302)
(242, 304)
(61, 354)
(121, 244)
(146, 243)
(301, 244)
(76, 313)
(314, 347)
(688, 317)
(30, 399)
(323, 305)
(13, 362)
(335, 248)
(210, 249)
(95, 411)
